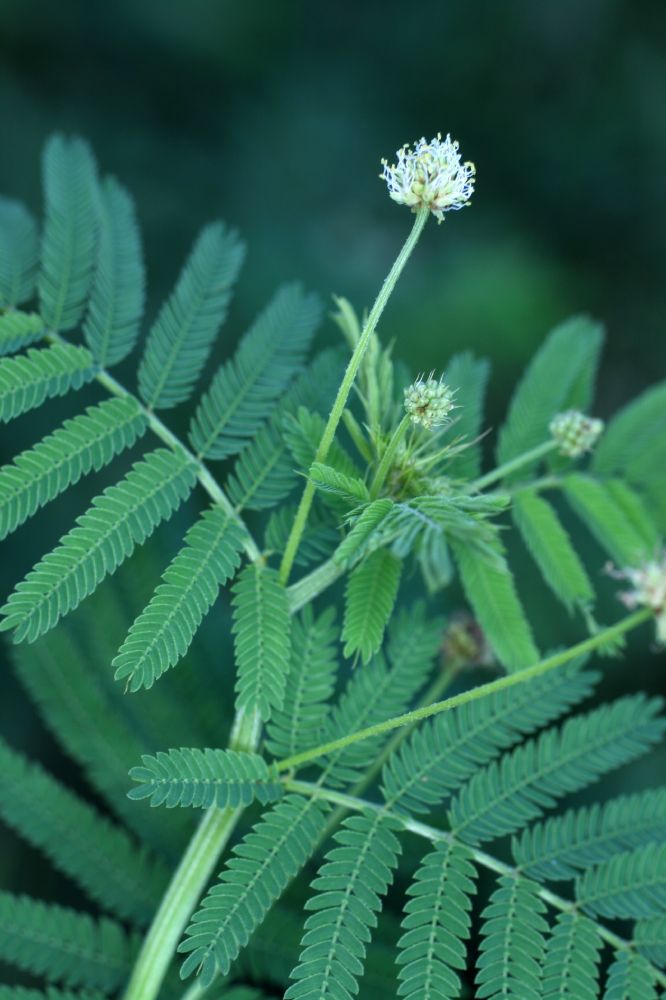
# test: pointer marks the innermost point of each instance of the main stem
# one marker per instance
(335, 415)
(509, 680)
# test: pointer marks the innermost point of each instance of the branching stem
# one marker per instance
(526, 458)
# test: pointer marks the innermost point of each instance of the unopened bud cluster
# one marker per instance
(648, 590)
(428, 402)
(431, 175)
(575, 433)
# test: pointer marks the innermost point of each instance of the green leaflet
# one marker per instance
(571, 966)
(205, 778)
(550, 547)
(262, 639)
(19, 329)
(559, 377)
(330, 481)
(650, 939)
(468, 376)
(319, 538)
(594, 504)
(562, 846)
(508, 793)
(182, 336)
(262, 865)
(23, 993)
(635, 509)
(628, 885)
(364, 526)
(84, 443)
(349, 887)
(492, 593)
(630, 978)
(633, 437)
(19, 251)
(117, 297)
(512, 945)
(63, 945)
(71, 198)
(369, 598)
(244, 390)
(164, 630)
(298, 725)
(98, 855)
(26, 381)
(436, 925)
(121, 518)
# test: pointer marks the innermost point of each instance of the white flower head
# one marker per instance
(575, 433)
(428, 402)
(431, 175)
(648, 584)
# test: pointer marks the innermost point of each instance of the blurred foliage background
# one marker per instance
(274, 116)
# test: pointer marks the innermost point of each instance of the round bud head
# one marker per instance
(428, 402)
(648, 589)
(431, 175)
(575, 433)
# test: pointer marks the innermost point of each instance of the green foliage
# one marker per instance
(182, 336)
(83, 444)
(350, 489)
(570, 970)
(164, 630)
(63, 945)
(19, 329)
(650, 939)
(22, 993)
(262, 640)
(628, 885)
(25, 382)
(436, 925)
(630, 978)
(117, 297)
(469, 376)
(594, 503)
(319, 540)
(369, 599)
(19, 253)
(262, 865)
(244, 390)
(512, 943)
(205, 778)
(71, 197)
(121, 518)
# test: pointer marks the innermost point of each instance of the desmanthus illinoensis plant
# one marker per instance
(316, 470)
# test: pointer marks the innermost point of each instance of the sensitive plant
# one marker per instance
(332, 753)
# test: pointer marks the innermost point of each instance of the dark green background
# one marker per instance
(274, 116)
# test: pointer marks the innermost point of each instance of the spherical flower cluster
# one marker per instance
(575, 433)
(428, 402)
(648, 590)
(431, 175)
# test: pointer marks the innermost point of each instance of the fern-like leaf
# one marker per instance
(436, 925)
(512, 945)
(469, 376)
(95, 853)
(550, 546)
(117, 297)
(365, 525)
(26, 381)
(634, 437)
(84, 443)
(634, 506)
(19, 251)
(310, 683)
(506, 794)
(628, 885)
(262, 640)
(70, 231)
(242, 393)
(650, 939)
(182, 336)
(371, 592)
(23, 993)
(558, 377)
(330, 481)
(164, 630)
(262, 865)
(63, 945)
(349, 886)
(630, 978)
(594, 504)
(561, 847)
(122, 517)
(205, 778)
(19, 329)
(571, 966)
(318, 541)
(492, 593)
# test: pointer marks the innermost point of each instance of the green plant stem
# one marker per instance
(542, 667)
(307, 497)
(384, 466)
(501, 471)
(348, 802)
(310, 586)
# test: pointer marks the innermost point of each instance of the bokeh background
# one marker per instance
(273, 114)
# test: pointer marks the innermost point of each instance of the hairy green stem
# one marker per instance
(526, 458)
(384, 466)
(434, 835)
(307, 497)
(310, 586)
(509, 680)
